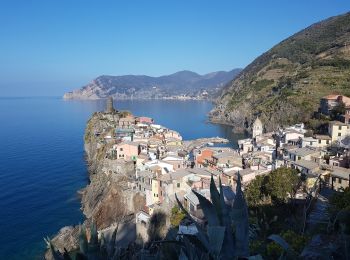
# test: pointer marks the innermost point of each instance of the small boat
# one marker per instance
(210, 144)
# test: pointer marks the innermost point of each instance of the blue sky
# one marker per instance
(49, 47)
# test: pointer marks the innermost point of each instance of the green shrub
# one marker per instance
(176, 216)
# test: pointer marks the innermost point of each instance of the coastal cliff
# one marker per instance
(107, 199)
(284, 85)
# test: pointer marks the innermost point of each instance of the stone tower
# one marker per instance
(110, 108)
(257, 128)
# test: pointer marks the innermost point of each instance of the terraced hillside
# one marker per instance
(284, 85)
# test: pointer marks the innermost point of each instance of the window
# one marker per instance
(310, 143)
(319, 141)
(339, 127)
(121, 149)
(339, 180)
(339, 134)
(299, 158)
(178, 185)
(327, 142)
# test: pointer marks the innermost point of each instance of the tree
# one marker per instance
(282, 183)
(340, 201)
(157, 226)
(255, 191)
(338, 110)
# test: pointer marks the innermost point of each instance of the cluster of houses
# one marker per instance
(164, 167)
(319, 156)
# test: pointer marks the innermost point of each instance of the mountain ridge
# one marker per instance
(183, 82)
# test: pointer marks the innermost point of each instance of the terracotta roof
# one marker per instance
(332, 96)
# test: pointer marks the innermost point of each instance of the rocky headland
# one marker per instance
(180, 85)
(110, 198)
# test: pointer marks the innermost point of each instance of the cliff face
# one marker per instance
(145, 87)
(107, 199)
(284, 85)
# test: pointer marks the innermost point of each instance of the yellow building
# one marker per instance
(155, 190)
(338, 130)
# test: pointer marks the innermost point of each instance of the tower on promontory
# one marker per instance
(257, 128)
(110, 108)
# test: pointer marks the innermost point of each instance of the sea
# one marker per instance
(42, 162)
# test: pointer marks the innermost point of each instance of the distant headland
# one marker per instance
(180, 85)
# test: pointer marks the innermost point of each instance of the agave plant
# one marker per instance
(227, 233)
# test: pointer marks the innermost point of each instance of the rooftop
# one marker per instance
(224, 155)
(172, 158)
(246, 171)
(303, 151)
(129, 143)
(341, 172)
(310, 165)
(323, 137)
(124, 130)
(337, 123)
(203, 172)
(145, 174)
(242, 141)
(193, 198)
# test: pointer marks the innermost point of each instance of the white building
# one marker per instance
(257, 128)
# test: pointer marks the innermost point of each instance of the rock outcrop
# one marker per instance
(67, 238)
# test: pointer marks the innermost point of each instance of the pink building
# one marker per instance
(145, 120)
(127, 150)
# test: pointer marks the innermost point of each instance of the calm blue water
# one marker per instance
(42, 161)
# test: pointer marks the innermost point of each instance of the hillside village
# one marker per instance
(163, 164)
